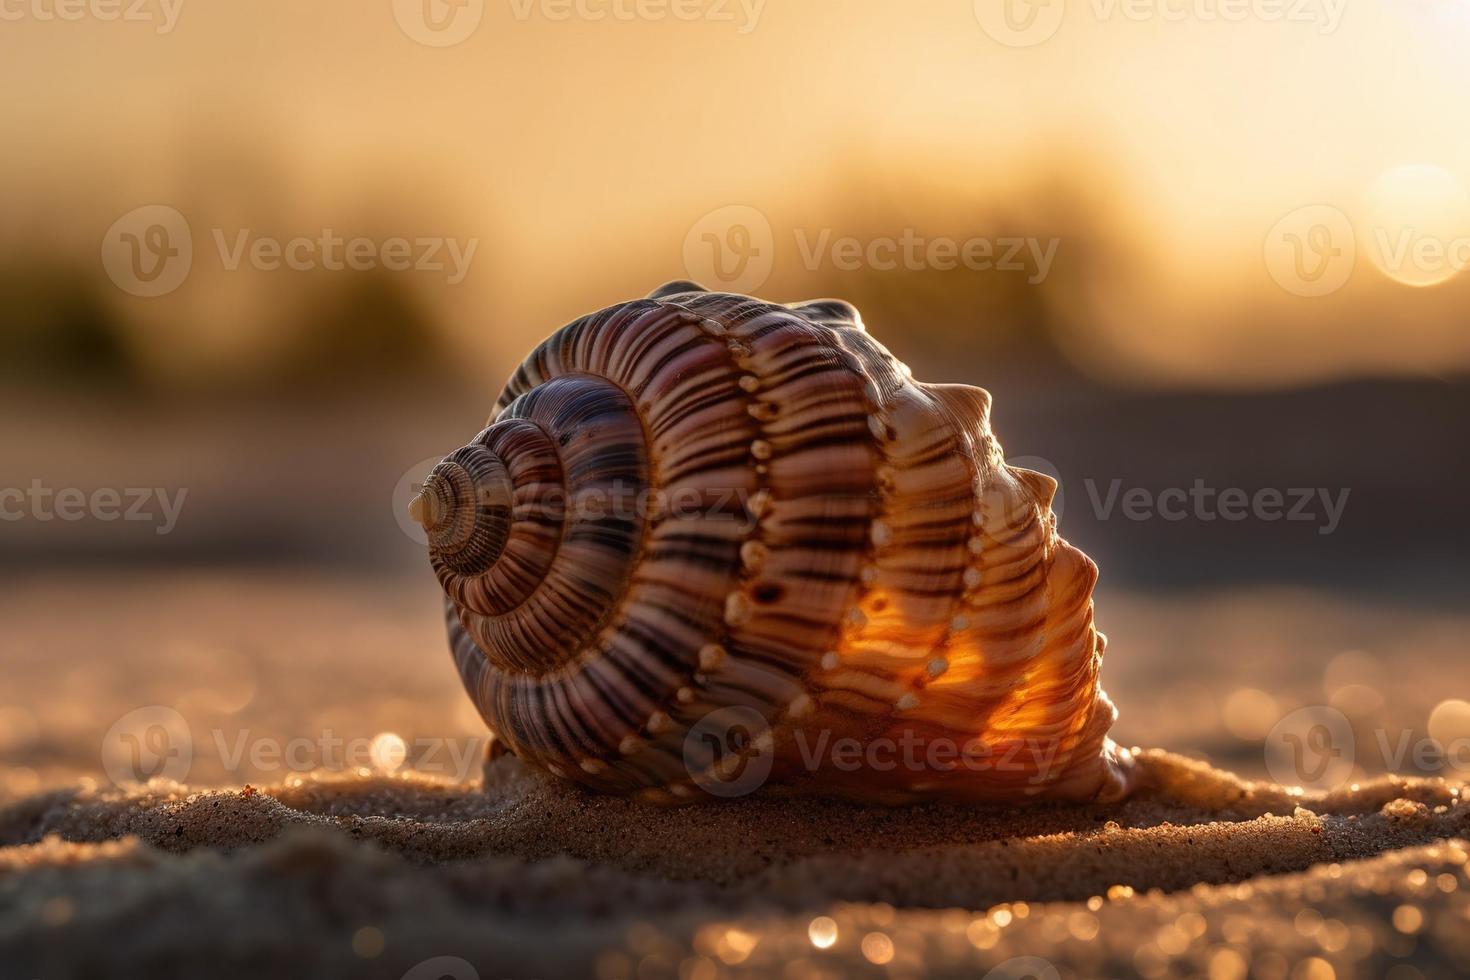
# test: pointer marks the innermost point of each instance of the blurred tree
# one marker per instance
(57, 330)
(356, 327)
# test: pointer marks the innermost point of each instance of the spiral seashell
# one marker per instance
(701, 503)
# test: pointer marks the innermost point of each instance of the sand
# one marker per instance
(327, 870)
(524, 875)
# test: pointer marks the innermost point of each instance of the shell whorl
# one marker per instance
(700, 501)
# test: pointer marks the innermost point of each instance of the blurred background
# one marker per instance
(260, 264)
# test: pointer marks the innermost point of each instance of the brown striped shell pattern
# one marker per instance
(708, 543)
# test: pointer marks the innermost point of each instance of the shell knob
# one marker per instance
(464, 507)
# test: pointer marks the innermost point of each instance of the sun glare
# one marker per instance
(1416, 224)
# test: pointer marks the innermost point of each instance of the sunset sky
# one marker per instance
(581, 151)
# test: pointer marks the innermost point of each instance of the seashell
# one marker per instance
(700, 507)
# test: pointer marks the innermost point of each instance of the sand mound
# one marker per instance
(526, 875)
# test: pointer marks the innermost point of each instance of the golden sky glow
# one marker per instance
(582, 150)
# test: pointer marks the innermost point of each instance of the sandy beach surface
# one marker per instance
(245, 774)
